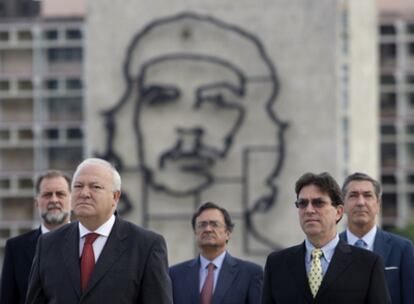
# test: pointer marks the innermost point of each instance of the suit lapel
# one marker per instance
(70, 253)
(227, 275)
(296, 264)
(340, 261)
(382, 245)
(191, 281)
(30, 245)
(114, 247)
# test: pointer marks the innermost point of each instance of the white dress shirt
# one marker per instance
(328, 251)
(218, 262)
(368, 238)
(103, 231)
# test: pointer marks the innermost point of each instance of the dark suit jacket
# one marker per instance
(239, 282)
(398, 256)
(354, 276)
(18, 259)
(132, 268)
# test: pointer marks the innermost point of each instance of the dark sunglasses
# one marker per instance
(316, 203)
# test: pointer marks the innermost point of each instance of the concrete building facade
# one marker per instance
(230, 102)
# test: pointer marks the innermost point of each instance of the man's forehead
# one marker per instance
(312, 190)
(360, 186)
(201, 71)
(210, 214)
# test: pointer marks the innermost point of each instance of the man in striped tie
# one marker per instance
(215, 277)
(323, 269)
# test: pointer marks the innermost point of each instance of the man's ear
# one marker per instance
(117, 195)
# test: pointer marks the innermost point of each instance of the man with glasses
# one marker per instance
(215, 276)
(323, 269)
(362, 196)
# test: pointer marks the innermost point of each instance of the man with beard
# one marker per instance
(215, 276)
(53, 202)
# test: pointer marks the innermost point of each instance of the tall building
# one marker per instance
(41, 106)
(397, 110)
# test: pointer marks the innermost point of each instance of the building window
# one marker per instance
(387, 29)
(24, 35)
(389, 205)
(388, 129)
(388, 179)
(65, 54)
(25, 85)
(51, 84)
(50, 35)
(387, 79)
(73, 84)
(388, 104)
(410, 28)
(75, 133)
(4, 36)
(388, 52)
(64, 109)
(4, 85)
(410, 150)
(64, 158)
(73, 34)
(52, 134)
(388, 155)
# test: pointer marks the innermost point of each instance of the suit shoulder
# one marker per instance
(248, 265)
(143, 235)
(182, 264)
(23, 238)
(397, 239)
(284, 253)
(367, 256)
(177, 269)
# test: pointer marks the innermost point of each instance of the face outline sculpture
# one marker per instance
(174, 112)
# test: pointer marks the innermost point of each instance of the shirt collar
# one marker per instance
(43, 229)
(368, 238)
(103, 230)
(328, 250)
(218, 261)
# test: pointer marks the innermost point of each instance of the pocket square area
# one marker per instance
(391, 268)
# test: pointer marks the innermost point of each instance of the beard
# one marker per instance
(54, 218)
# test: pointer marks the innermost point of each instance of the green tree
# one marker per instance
(407, 232)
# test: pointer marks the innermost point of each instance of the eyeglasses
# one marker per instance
(213, 224)
(316, 203)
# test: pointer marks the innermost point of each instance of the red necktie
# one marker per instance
(207, 291)
(87, 259)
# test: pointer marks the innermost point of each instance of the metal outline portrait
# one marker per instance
(202, 155)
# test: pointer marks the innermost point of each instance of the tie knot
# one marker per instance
(90, 238)
(317, 253)
(211, 267)
(361, 243)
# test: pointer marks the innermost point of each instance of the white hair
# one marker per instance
(99, 161)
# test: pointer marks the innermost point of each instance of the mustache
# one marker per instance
(51, 206)
(204, 156)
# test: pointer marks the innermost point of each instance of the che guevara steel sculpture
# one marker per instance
(200, 98)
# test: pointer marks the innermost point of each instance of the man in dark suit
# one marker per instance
(362, 204)
(101, 258)
(233, 281)
(323, 269)
(53, 203)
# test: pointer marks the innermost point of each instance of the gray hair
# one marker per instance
(99, 161)
(358, 176)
